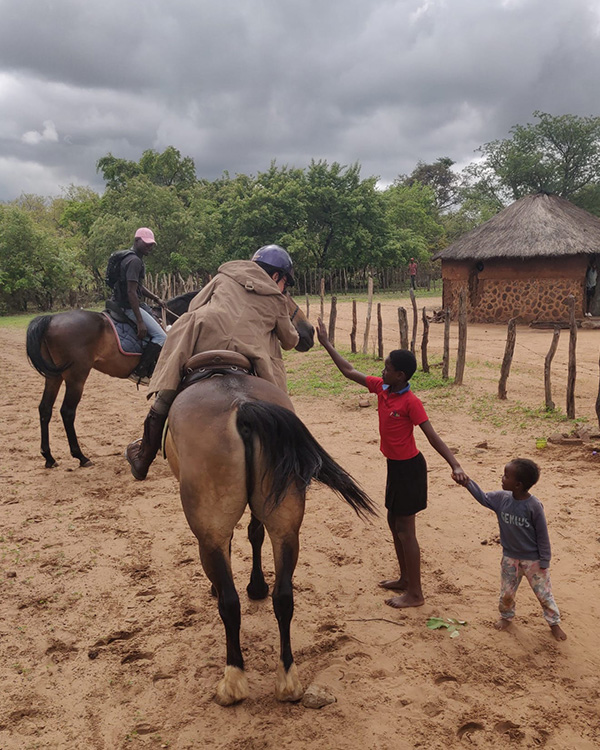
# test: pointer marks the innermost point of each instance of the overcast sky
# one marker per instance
(236, 84)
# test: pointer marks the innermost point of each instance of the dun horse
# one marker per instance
(258, 454)
(66, 347)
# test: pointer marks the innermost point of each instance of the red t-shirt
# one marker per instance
(398, 415)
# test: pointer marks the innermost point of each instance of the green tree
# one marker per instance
(557, 154)
(414, 228)
(35, 267)
(166, 169)
(438, 176)
(344, 216)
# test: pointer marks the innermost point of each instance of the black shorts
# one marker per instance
(406, 487)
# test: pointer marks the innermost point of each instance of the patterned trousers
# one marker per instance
(513, 571)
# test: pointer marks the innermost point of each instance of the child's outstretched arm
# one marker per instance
(345, 367)
(436, 442)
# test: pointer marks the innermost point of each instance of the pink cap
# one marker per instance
(146, 235)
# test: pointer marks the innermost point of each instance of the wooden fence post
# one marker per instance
(572, 369)
(461, 353)
(332, 319)
(446, 354)
(598, 399)
(413, 339)
(509, 350)
(547, 364)
(307, 306)
(322, 293)
(403, 325)
(379, 332)
(353, 331)
(424, 342)
(368, 320)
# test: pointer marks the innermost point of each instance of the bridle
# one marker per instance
(293, 315)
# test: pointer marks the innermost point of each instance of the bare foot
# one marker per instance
(558, 633)
(502, 624)
(406, 600)
(394, 584)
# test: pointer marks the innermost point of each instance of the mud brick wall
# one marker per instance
(528, 290)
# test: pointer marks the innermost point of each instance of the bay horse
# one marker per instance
(65, 347)
(258, 454)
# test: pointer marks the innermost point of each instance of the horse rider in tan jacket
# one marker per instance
(242, 309)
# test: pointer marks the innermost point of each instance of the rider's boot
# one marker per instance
(148, 360)
(141, 453)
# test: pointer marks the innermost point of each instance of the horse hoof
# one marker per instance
(257, 591)
(85, 464)
(287, 684)
(51, 464)
(233, 688)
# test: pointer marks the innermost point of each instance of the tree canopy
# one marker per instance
(53, 251)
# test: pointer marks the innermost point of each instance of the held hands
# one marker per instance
(459, 476)
(142, 331)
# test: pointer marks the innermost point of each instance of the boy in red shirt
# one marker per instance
(406, 488)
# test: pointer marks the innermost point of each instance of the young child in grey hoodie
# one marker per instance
(524, 539)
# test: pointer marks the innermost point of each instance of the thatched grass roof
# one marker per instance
(534, 226)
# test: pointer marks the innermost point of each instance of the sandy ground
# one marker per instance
(109, 637)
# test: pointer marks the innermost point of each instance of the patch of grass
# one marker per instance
(518, 415)
(314, 374)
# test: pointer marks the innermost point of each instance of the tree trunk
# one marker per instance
(547, 364)
(368, 320)
(379, 332)
(446, 354)
(509, 350)
(572, 370)
(424, 342)
(413, 340)
(332, 319)
(353, 331)
(403, 325)
(461, 354)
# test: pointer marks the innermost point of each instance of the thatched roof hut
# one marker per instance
(524, 262)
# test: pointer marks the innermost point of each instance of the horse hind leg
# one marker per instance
(283, 525)
(51, 389)
(233, 687)
(258, 587)
(68, 411)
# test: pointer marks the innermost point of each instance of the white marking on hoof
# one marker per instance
(233, 687)
(287, 684)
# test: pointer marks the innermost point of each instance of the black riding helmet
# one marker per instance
(274, 258)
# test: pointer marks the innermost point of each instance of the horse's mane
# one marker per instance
(185, 297)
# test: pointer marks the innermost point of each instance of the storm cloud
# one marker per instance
(236, 85)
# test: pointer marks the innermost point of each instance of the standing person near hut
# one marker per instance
(412, 271)
(591, 278)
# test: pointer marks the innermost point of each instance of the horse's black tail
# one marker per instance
(292, 455)
(36, 332)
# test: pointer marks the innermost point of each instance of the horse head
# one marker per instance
(301, 323)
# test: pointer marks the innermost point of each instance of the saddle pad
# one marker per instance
(126, 337)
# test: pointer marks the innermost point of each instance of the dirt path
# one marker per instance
(109, 637)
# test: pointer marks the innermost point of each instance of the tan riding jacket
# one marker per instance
(242, 310)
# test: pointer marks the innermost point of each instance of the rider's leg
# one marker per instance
(155, 332)
(141, 453)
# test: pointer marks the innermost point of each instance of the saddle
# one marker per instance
(116, 313)
(214, 362)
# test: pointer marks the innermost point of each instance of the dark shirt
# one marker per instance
(523, 528)
(132, 268)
